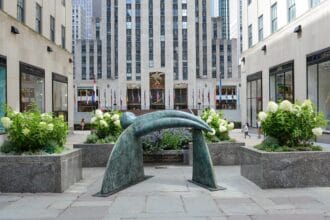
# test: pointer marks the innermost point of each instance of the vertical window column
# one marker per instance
(291, 10)
(151, 35)
(162, 33)
(38, 18)
(184, 40)
(197, 37)
(175, 40)
(261, 28)
(116, 39)
(108, 39)
(91, 60)
(274, 17)
(138, 39)
(99, 59)
(21, 10)
(204, 28)
(128, 40)
(52, 29)
(3, 89)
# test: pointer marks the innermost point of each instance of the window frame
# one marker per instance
(273, 19)
(63, 37)
(61, 79)
(52, 28)
(261, 27)
(20, 7)
(250, 36)
(38, 19)
(3, 63)
(291, 10)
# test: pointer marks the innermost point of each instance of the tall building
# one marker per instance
(35, 60)
(78, 23)
(155, 55)
(224, 12)
(87, 7)
(286, 54)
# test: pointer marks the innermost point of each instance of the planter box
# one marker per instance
(287, 169)
(95, 155)
(36, 174)
(167, 157)
(222, 153)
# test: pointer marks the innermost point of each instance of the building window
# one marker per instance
(162, 33)
(180, 98)
(197, 38)
(63, 2)
(274, 17)
(87, 99)
(250, 35)
(52, 28)
(128, 40)
(133, 98)
(138, 39)
(281, 83)
(175, 40)
(249, 2)
(261, 28)
(109, 71)
(151, 35)
(21, 10)
(227, 100)
(116, 39)
(1, 7)
(60, 95)
(3, 89)
(314, 3)
(254, 98)
(291, 10)
(157, 90)
(63, 36)
(318, 74)
(38, 18)
(204, 36)
(32, 87)
(184, 41)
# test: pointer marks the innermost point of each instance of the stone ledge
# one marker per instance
(95, 155)
(36, 174)
(285, 169)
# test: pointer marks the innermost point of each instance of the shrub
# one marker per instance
(107, 127)
(219, 125)
(167, 139)
(32, 131)
(292, 125)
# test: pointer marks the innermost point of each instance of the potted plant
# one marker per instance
(33, 158)
(98, 145)
(223, 149)
(288, 157)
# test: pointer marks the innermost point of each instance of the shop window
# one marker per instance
(87, 100)
(3, 89)
(133, 99)
(180, 98)
(281, 83)
(60, 95)
(227, 100)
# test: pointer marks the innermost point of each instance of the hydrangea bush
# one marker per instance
(33, 132)
(220, 127)
(292, 125)
(107, 127)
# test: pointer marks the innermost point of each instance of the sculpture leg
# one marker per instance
(203, 174)
(125, 165)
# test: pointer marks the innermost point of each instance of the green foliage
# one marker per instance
(219, 125)
(291, 125)
(32, 131)
(107, 127)
(167, 139)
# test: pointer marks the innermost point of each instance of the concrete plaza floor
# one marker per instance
(169, 196)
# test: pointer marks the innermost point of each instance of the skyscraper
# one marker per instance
(224, 12)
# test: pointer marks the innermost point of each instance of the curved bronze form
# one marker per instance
(125, 165)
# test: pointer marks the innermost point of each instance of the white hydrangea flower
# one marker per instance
(50, 127)
(99, 114)
(308, 104)
(286, 106)
(93, 120)
(212, 133)
(61, 117)
(6, 122)
(209, 119)
(296, 110)
(222, 128)
(46, 117)
(317, 131)
(115, 117)
(262, 116)
(26, 131)
(43, 125)
(107, 115)
(103, 124)
(117, 123)
(223, 122)
(272, 107)
(231, 126)
(212, 111)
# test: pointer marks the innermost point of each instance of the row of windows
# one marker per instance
(273, 16)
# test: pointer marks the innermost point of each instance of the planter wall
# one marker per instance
(223, 153)
(95, 155)
(287, 169)
(36, 174)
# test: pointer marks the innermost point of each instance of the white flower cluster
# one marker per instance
(216, 123)
(6, 122)
(103, 120)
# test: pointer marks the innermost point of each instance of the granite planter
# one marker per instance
(167, 157)
(40, 174)
(285, 169)
(95, 155)
(222, 153)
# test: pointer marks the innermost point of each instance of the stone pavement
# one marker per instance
(168, 196)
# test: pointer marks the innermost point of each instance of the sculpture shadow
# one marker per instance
(125, 165)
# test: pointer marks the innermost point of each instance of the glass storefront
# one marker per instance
(87, 101)
(157, 90)
(180, 98)
(32, 87)
(228, 98)
(133, 99)
(318, 74)
(3, 89)
(281, 83)
(60, 95)
(254, 98)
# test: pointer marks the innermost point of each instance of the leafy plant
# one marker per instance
(219, 125)
(107, 127)
(32, 131)
(167, 139)
(291, 125)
